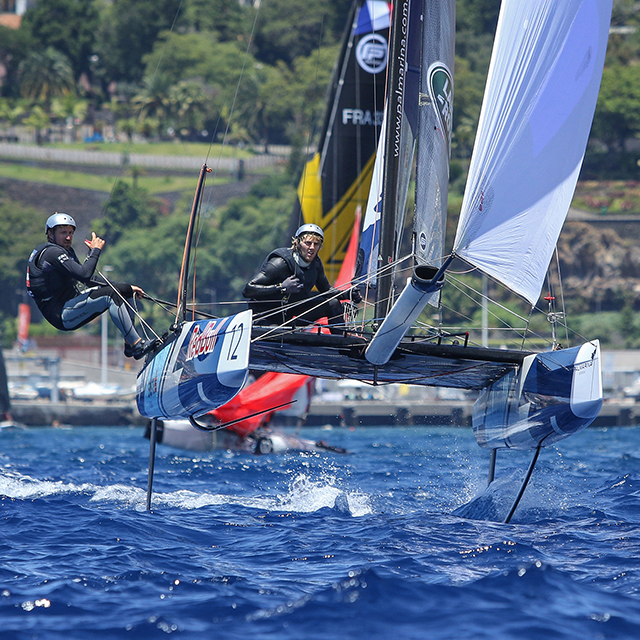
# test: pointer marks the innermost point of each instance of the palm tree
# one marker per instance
(188, 104)
(46, 74)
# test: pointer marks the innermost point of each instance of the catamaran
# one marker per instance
(538, 106)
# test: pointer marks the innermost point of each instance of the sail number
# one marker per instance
(234, 343)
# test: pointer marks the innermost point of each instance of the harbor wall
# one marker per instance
(336, 414)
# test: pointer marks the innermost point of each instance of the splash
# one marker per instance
(302, 496)
(23, 487)
(306, 495)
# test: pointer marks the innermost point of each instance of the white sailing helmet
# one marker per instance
(57, 219)
(310, 228)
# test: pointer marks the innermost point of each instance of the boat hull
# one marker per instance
(197, 370)
(181, 435)
(552, 396)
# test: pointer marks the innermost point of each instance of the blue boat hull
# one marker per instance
(197, 370)
(549, 397)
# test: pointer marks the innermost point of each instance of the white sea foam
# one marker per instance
(23, 487)
(302, 496)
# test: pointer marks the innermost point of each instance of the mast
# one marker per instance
(181, 306)
(395, 99)
(427, 83)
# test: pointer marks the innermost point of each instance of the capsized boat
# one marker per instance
(253, 434)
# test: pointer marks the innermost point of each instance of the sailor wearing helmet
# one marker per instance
(54, 274)
(282, 289)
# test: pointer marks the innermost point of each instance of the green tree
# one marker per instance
(157, 268)
(186, 60)
(291, 101)
(289, 29)
(244, 232)
(45, 75)
(23, 231)
(66, 25)
(617, 116)
(128, 208)
(14, 46)
(11, 111)
(69, 106)
(39, 119)
(228, 20)
(153, 99)
(188, 105)
(477, 16)
(128, 30)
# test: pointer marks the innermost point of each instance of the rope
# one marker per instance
(142, 106)
(143, 322)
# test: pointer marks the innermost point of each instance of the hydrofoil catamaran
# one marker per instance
(538, 107)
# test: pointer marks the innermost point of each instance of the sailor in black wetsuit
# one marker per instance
(53, 276)
(282, 289)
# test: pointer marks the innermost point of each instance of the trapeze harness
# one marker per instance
(52, 276)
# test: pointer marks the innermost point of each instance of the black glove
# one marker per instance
(356, 296)
(291, 285)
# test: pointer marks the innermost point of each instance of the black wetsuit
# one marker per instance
(272, 305)
(52, 276)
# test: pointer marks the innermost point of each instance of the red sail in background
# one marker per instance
(348, 268)
(270, 390)
(273, 389)
(24, 320)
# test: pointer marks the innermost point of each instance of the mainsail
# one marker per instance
(435, 128)
(427, 115)
(336, 179)
(394, 158)
(539, 102)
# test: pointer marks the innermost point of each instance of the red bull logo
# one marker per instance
(203, 342)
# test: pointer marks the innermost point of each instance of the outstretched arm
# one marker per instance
(67, 262)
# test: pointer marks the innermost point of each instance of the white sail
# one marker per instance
(370, 240)
(538, 107)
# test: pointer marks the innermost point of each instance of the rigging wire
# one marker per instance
(124, 163)
(143, 322)
(561, 287)
(521, 332)
(222, 146)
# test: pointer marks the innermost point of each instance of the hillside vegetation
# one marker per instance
(163, 73)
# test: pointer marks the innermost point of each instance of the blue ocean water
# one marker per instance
(398, 539)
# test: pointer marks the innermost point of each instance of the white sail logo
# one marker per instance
(371, 53)
(441, 94)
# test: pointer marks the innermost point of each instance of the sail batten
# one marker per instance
(541, 93)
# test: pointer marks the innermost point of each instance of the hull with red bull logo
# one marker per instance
(197, 370)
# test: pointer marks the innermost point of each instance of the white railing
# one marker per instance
(109, 158)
